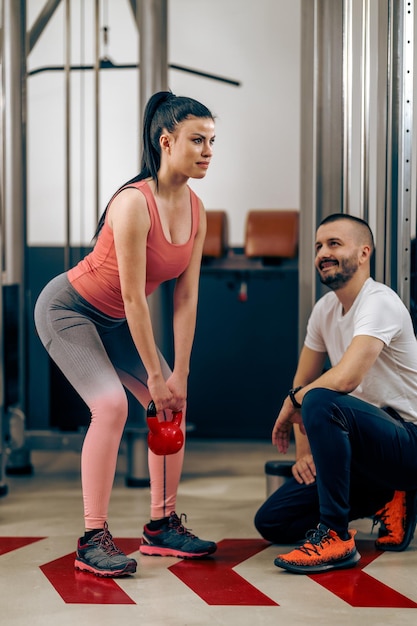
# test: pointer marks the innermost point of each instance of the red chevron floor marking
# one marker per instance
(358, 588)
(214, 580)
(8, 544)
(77, 587)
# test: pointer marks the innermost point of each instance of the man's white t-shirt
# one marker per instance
(377, 312)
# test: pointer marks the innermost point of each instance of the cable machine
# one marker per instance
(356, 156)
(357, 132)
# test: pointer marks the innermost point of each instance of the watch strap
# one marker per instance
(292, 393)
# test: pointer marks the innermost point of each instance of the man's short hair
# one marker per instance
(364, 226)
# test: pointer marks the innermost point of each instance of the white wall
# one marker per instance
(256, 162)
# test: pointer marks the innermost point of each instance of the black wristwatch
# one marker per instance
(291, 394)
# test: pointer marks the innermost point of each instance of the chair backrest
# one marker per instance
(272, 233)
(217, 238)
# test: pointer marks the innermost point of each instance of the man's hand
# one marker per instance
(304, 470)
(283, 425)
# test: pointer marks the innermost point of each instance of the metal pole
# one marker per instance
(153, 48)
(322, 131)
(67, 248)
(365, 111)
(14, 197)
(383, 139)
(405, 87)
(308, 152)
(97, 105)
(347, 102)
(3, 485)
(14, 76)
(399, 147)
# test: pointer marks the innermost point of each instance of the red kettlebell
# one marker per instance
(164, 437)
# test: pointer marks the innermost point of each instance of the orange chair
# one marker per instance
(272, 233)
(216, 241)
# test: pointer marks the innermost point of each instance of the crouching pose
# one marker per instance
(355, 423)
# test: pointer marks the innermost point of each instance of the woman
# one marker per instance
(95, 323)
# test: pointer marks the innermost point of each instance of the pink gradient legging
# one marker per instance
(97, 355)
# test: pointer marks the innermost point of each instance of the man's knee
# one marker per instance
(270, 527)
(317, 403)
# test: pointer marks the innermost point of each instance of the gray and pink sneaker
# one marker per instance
(173, 539)
(100, 556)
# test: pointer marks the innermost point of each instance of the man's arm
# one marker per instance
(310, 366)
(345, 376)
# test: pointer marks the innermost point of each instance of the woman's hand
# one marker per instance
(160, 393)
(170, 394)
(178, 387)
(304, 470)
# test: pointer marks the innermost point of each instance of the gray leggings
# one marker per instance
(97, 355)
(87, 345)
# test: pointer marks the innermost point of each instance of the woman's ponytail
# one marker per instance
(151, 154)
(163, 111)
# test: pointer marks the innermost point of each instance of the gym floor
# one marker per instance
(222, 486)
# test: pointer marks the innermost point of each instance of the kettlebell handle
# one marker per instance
(151, 411)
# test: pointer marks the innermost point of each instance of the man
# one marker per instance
(355, 422)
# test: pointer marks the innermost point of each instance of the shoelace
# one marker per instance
(105, 541)
(315, 538)
(381, 517)
(175, 522)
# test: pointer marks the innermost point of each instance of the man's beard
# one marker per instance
(347, 269)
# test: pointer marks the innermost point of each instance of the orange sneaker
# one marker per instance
(398, 521)
(322, 551)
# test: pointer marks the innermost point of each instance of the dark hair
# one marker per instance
(365, 228)
(164, 111)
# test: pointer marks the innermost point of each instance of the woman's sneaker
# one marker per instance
(100, 556)
(323, 550)
(173, 539)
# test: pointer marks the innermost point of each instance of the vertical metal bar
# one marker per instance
(14, 167)
(97, 105)
(67, 247)
(14, 178)
(322, 132)
(3, 486)
(2, 172)
(330, 130)
(365, 112)
(14, 74)
(383, 137)
(153, 48)
(347, 102)
(405, 146)
(391, 149)
(308, 152)
(401, 148)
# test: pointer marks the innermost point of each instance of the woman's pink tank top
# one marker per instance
(96, 277)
